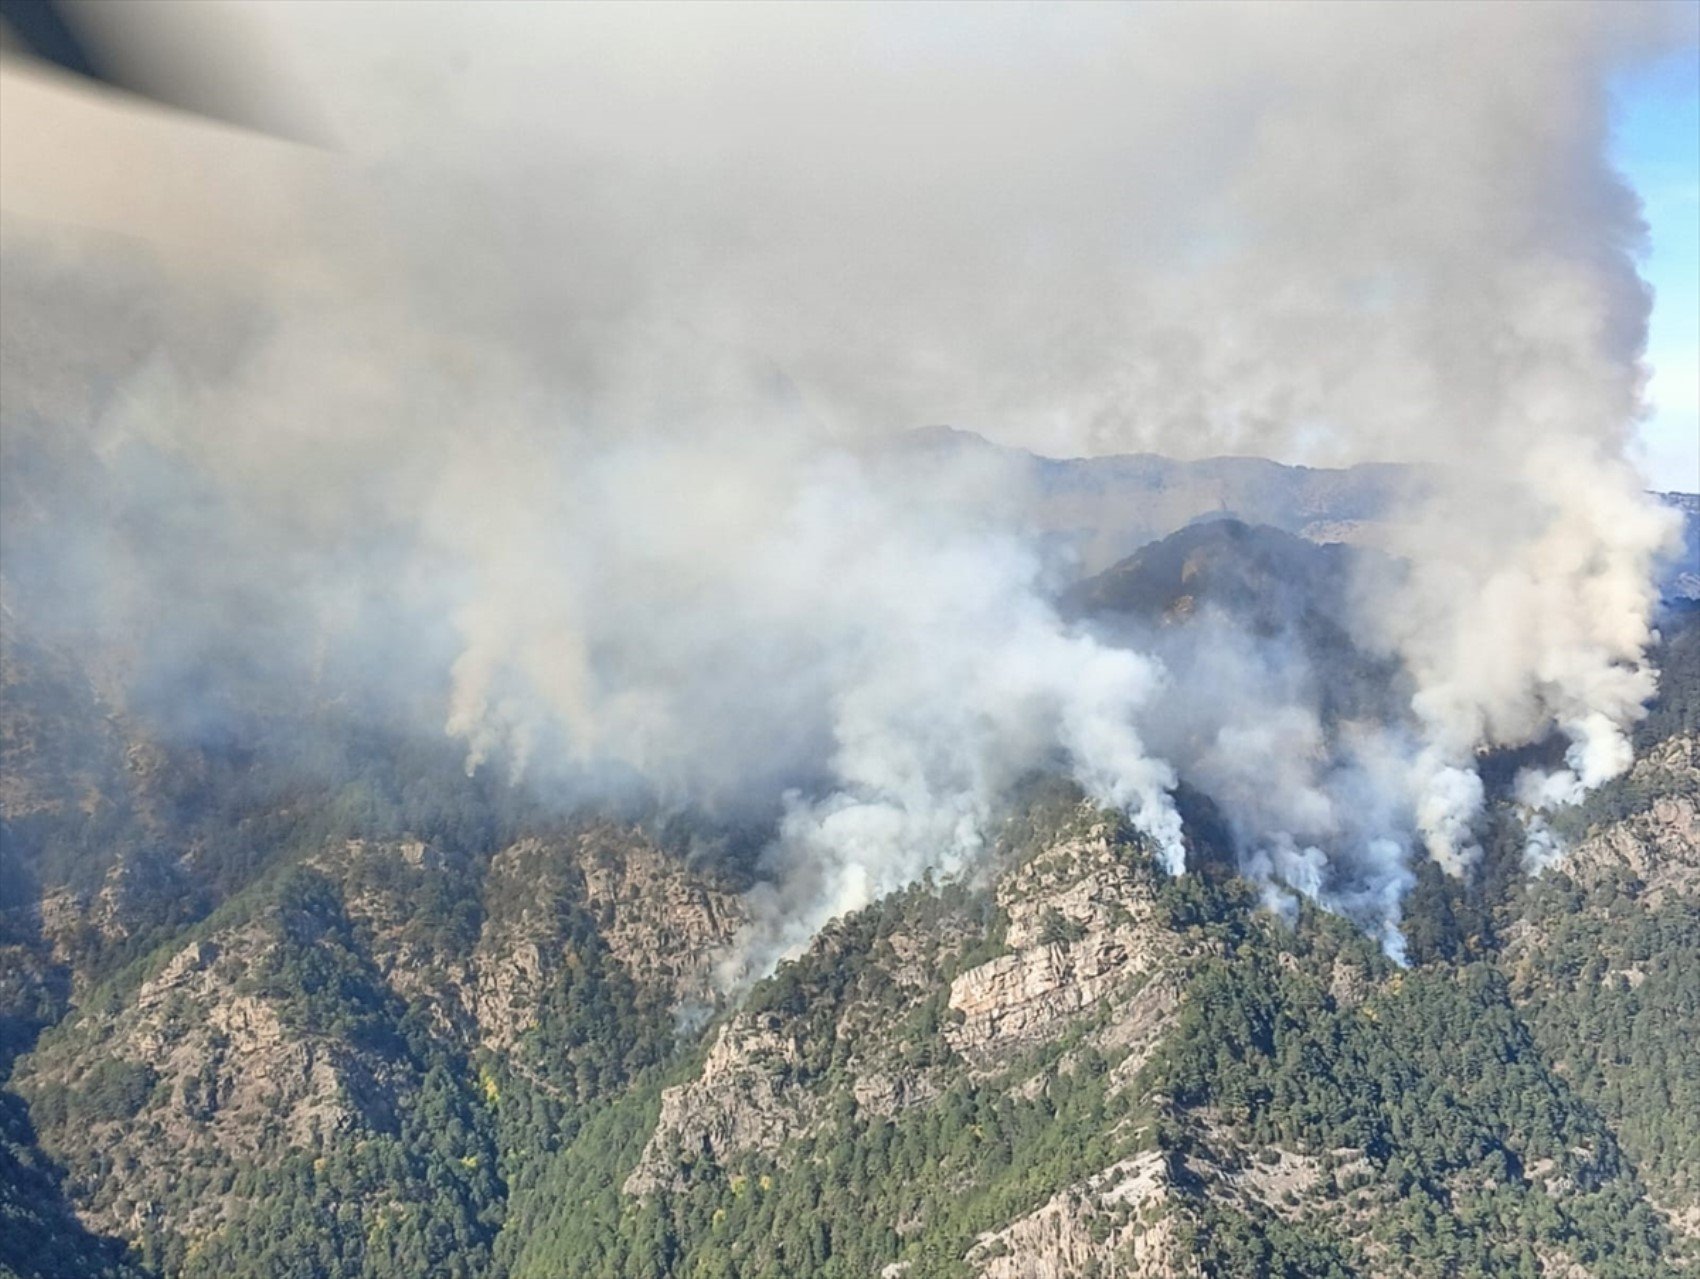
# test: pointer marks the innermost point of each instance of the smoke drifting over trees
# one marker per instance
(562, 428)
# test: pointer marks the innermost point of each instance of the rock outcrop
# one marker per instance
(1080, 930)
(744, 1099)
(1659, 845)
(1119, 1224)
(202, 1069)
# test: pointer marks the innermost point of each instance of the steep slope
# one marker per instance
(1253, 585)
(310, 1010)
(1605, 965)
(357, 1015)
(1266, 579)
(1128, 1075)
(1151, 1078)
(314, 1078)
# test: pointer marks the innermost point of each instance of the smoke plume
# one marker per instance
(562, 422)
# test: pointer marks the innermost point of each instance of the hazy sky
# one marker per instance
(1657, 143)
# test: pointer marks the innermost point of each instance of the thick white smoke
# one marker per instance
(727, 617)
(580, 367)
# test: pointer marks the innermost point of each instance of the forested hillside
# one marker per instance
(351, 1013)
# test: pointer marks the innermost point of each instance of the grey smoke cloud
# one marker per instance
(584, 371)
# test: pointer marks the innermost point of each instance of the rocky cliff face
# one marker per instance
(1658, 843)
(1080, 931)
(1604, 962)
(773, 1070)
(745, 1099)
(1119, 1223)
(1252, 1095)
(201, 1069)
(662, 923)
(1080, 1068)
(276, 1036)
(364, 1052)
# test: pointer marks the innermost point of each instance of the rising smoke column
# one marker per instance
(784, 624)
(590, 389)
(1388, 233)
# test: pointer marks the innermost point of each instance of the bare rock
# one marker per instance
(1081, 922)
(1119, 1224)
(744, 1099)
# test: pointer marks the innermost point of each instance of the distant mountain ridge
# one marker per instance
(1105, 508)
(1262, 584)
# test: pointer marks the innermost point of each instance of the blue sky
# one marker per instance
(1657, 145)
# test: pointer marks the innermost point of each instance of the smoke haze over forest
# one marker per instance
(569, 425)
